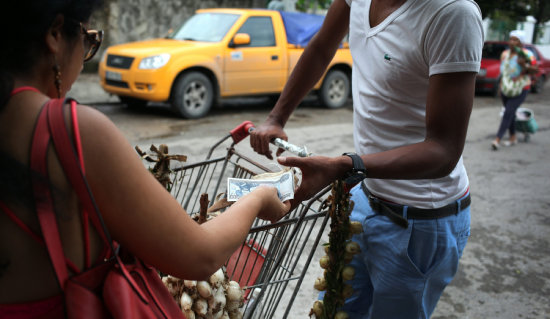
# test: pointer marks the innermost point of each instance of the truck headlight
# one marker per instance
(154, 62)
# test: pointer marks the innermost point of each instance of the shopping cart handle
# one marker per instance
(241, 132)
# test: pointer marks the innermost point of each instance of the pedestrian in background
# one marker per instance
(516, 66)
(413, 81)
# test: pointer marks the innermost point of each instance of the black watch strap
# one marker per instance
(358, 172)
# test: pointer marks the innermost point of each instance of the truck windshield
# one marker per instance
(205, 27)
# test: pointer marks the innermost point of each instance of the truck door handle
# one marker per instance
(274, 57)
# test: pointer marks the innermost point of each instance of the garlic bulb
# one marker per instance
(189, 314)
(172, 284)
(204, 289)
(214, 315)
(190, 284)
(217, 302)
(324, 262)
(235, 315)
(320, 284)
(234, 291)
(201, 307)
(232, 305)
(355, 227)
(347, 291)
(353, 247)
(348, 273)
(217, 278)
(186, 302)
(317, 309)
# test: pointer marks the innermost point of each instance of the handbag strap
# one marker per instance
(69, 160)
(43, 199)
(68, 157)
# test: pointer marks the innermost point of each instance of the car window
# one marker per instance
(260, 30)
(205, 27)
(493, 50)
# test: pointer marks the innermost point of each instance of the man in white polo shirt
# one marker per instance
(413, 80)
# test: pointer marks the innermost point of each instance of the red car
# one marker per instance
(489, 74)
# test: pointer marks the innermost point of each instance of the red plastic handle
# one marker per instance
(241, 132)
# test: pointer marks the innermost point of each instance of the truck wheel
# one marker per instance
(335, 89)
(193, 95)
(132, 103)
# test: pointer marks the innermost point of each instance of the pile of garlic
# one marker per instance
(217, 298)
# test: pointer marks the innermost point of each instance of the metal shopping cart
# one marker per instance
(273, 255)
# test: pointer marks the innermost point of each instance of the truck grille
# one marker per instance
(118, 61)
(119, 84)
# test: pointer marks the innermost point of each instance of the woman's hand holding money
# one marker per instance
(272, 209)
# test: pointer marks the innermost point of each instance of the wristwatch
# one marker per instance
(358, 172)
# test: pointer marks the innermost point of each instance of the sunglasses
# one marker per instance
(92, 41)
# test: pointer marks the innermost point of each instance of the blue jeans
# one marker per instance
(401, 273)
(511, 104)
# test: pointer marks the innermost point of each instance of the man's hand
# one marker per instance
(263, 135)
(317, 173)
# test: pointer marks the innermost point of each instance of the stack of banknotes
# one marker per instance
(238, 187)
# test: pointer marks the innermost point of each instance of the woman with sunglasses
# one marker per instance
(45, 45)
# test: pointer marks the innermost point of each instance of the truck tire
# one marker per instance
(334, 91)
(193, 95)
(132, 103)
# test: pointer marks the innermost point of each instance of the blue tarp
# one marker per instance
(301, 27)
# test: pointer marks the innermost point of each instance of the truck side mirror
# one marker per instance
(240, 39)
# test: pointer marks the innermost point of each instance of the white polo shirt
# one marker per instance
(392, 63)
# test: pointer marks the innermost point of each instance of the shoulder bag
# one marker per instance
(121, 287)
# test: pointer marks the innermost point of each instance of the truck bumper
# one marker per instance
(150, 85)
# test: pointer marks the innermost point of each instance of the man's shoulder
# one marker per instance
(452, 6)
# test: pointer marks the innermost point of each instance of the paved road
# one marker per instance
(504, 273)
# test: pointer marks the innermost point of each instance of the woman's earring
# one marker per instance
(57, 78)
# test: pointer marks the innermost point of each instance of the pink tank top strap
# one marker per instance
(20, 223)
(22, 89)
(76, 133)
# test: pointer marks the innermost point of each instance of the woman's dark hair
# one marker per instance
(24, 23)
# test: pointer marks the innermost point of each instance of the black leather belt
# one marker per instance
(395, 211)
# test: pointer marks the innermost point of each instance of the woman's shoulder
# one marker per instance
(90, 118)
(97, 131)
(505, 54)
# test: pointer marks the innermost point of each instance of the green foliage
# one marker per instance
(507, 13)
(513, 9)
(305, 5)
(540, 10)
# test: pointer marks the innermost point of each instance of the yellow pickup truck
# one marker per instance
(220, 53)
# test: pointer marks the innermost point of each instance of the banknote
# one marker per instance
(238, 187)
